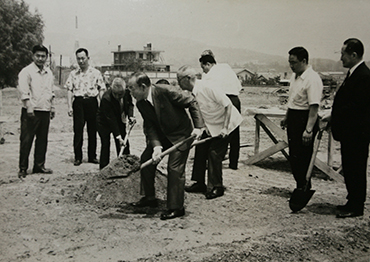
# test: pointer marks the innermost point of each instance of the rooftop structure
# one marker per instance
(149, 59)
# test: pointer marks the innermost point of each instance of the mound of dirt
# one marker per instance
(104, 192)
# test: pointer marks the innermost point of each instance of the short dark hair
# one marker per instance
(354, 45)
(80, 50)
(163, 81)
(300, 52)
(207, 59)
(141, 78)
(40, 48)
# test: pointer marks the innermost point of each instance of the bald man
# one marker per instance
(115, 108)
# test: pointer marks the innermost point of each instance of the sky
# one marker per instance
(267, 26)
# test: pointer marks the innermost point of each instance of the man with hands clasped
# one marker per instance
(36, 87)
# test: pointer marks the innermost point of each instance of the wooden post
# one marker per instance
(60, 70)
(257, 137)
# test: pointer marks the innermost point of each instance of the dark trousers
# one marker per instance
(84, 111)
(355, 153)
(299, 154)
(105, 138)
(175, 179)
(234, 137)
(30, 127)
(214, 152)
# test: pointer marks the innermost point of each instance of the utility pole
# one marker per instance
(60, 70)
(77, 45)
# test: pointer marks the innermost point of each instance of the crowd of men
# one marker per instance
(205, 110)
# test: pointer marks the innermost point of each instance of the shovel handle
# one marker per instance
(166, 152)
(125, 139)
(314, 154)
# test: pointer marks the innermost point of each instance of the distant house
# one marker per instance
(267, 78)
(244, 74)
(149, 58)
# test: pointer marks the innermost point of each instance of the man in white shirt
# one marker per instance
(222, 76)
(36, 87)
(221, 118)
(301, 120)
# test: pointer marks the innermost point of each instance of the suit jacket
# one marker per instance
(167, 118)
(351, 107)
(110, 111)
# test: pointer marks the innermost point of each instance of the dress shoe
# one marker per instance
(144, 202)
(350, 214)
(170, 214)
(344, 208)
(94, 161)
(77, 162)
(234, 167)
(215, 192)
(42, 170)
(22, 173)
(196, 188)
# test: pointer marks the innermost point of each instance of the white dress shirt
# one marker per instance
(223, 77)
(212, 103)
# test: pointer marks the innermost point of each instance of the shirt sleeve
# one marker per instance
(24, 85)
(69, 83)
(314, 91)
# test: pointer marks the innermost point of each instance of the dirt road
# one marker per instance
(44, 219)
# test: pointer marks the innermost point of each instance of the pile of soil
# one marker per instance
(104, 192)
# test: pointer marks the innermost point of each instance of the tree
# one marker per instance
(20, 30)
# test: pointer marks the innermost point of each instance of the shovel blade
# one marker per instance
(300, 199)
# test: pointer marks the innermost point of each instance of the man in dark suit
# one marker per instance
(350, 124)
(165, 123)
(115, 108)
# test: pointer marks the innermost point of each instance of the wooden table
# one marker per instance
(280, 139)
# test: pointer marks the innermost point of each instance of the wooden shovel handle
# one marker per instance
(125, 139)
(166, 152)
(314, 154)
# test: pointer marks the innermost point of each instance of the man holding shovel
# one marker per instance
(166, 123)
(350, 125)
(301, 119)
(221, 118)
(115, 108)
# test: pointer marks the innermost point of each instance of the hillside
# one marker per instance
(181, 51)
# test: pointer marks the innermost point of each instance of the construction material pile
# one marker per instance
(105, 192)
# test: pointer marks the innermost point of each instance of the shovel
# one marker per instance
(125, 140)
(164, 153)
(300, 197)
(123, 146)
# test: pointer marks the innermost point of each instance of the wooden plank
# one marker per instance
(273, 127)
(273, 139)
(273, 112)
(266, 153)
(328, 170)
